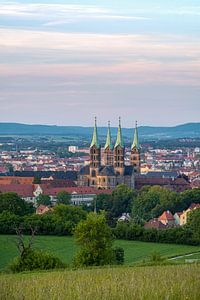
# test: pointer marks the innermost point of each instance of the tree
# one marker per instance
(193, 223)
(8, 222)
(68, 212)
(122, 200)
(13, 203)
(187, 197)
(43, 199)
(102, 202)
(63, 197)
(95, 238)
(152, 201)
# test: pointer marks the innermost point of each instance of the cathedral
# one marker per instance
(111, 170)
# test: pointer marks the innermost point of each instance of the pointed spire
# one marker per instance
(135, 144)
(119, 141)
(108, 143)
(95, 140)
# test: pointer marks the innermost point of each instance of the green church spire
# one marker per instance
(135, 144)
(119, 141)
(95, 140)
(108, 143)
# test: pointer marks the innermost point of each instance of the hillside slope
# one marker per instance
(189, 130)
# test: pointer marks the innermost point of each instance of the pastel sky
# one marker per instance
(63, 62)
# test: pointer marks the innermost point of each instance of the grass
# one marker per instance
(65, 248)
(189, 257)
(166, 282)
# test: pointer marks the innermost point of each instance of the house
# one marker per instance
(125, 217)
(79, 195)
(167, 218)
(42, 209)
(177, 216)
(184, 215)
(177, 184)
(154, 223)
(25, 191)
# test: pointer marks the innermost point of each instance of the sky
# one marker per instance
(64, 62)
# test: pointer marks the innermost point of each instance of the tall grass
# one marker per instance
(161, 282)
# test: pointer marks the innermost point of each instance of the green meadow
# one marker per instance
(65, 247)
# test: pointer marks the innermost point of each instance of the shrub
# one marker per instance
(119, 255)
(156, 257)
(35, 260)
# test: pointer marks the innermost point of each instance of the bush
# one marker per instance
(156, 257)
(179, 235)
(35, 260)
(8, 222)
(118, 255)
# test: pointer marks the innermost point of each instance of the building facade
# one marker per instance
(110, 170)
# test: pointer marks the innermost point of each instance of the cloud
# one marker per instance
(107, 58)
(53, 47)
(59, 14)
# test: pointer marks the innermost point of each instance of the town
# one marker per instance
(33, 172)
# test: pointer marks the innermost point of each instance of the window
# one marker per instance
(93, 172)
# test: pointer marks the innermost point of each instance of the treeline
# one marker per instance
(148, 203)
(143, 205)
(60, 221)
(188, 234)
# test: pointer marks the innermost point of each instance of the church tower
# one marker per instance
(108, 149)
(95, 155)
(119, 152)
(135, 151)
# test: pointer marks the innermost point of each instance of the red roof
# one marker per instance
(42, 209)
(23, 190)
(154, 223)
(194, 205)
(166, 216)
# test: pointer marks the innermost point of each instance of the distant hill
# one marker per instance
(189, 130)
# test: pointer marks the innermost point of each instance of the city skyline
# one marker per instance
(63, 63)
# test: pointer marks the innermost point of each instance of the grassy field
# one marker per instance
(65, 248)
(161, 282)
(187, 258)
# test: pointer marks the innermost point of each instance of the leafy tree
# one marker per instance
(193, 223)
(63, 197)
(13, 203)
(68, 217)
(43, 199)
(103, 202)
(68, 212)
(95, 238)
(122, 200)
(152, 201)
(187, 197)
(8, 222)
